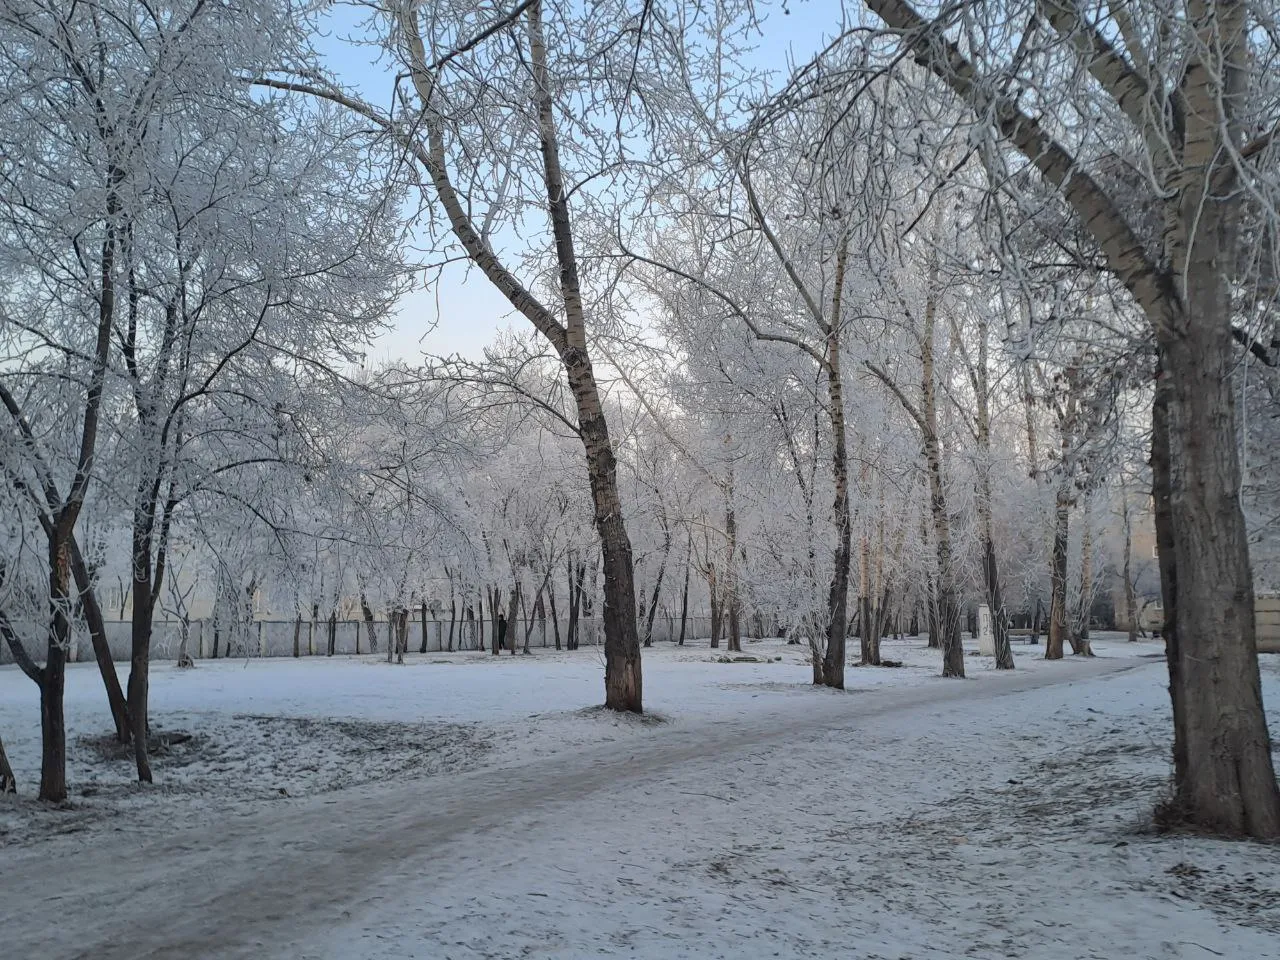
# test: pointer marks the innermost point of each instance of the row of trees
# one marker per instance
(184, 259)
(898, 326)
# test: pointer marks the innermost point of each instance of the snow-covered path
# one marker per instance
(839, 826)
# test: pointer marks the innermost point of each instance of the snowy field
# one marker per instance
(267, 729)
(467, 806)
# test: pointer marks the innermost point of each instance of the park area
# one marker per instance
(650, 480)
(466, 806)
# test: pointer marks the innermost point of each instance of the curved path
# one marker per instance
(287, 879)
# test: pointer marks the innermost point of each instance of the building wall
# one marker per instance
(1267, 616)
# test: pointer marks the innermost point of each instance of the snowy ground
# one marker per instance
(490, 816)
(268, 729)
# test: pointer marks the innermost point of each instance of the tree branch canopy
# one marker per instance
(1125, 253)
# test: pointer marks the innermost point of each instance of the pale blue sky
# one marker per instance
(462, 312)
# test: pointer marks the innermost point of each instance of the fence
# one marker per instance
(275, 638)
(1267, 607)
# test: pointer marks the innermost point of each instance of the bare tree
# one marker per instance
(1191, 98)
(510, 55)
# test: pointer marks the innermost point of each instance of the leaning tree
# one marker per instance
(482, 122)
(1186, 96)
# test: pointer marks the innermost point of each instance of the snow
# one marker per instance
(486, 814)
(254, 735)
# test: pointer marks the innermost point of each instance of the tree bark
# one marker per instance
(371, 629)
(731, 599)
(8, 782)
(657, 583)
(838, 595)
(1059, 625)
(990, 567)
(577, 575)
(948, 608)
(453, 614)
(999, 622)
(516, 599)
(684, 593)
(713, 596)
(864, 600)
(401, 633)
(555, 616)
(1080, 645)
(1162, 506)
(1228, 782)
(140, 652)
(101, 649)
(1130, 594)
(53, 731)
(496, 639)
(622, 680)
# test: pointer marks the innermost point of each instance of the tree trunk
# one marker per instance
(8, 782)
(999, 622)
(297, 636)
(1227, 781)
(1080, 640)
(1224, 776)
(140, 643)
(931, 612)
(453, 615)
(865, 627)
(622, 675)
(371, 629)
(496, 640)
(948, 609)
(570, 611)
(516, 602)
(401, 633)
(864, 600)
(540, 614)
(101, 649)
(555, 616)
(880, 625)
(817, 658)
(990, 568)
(577, 576)
(657, 583)
(838, 595)
(732, 603)
(713, 592)
(1058, 623)
(733, 639)
(684, 593)
(53, 731)
(1130, 595)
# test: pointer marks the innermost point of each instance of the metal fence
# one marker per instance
(275, 638)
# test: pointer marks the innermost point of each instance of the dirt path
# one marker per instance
(242, 886)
